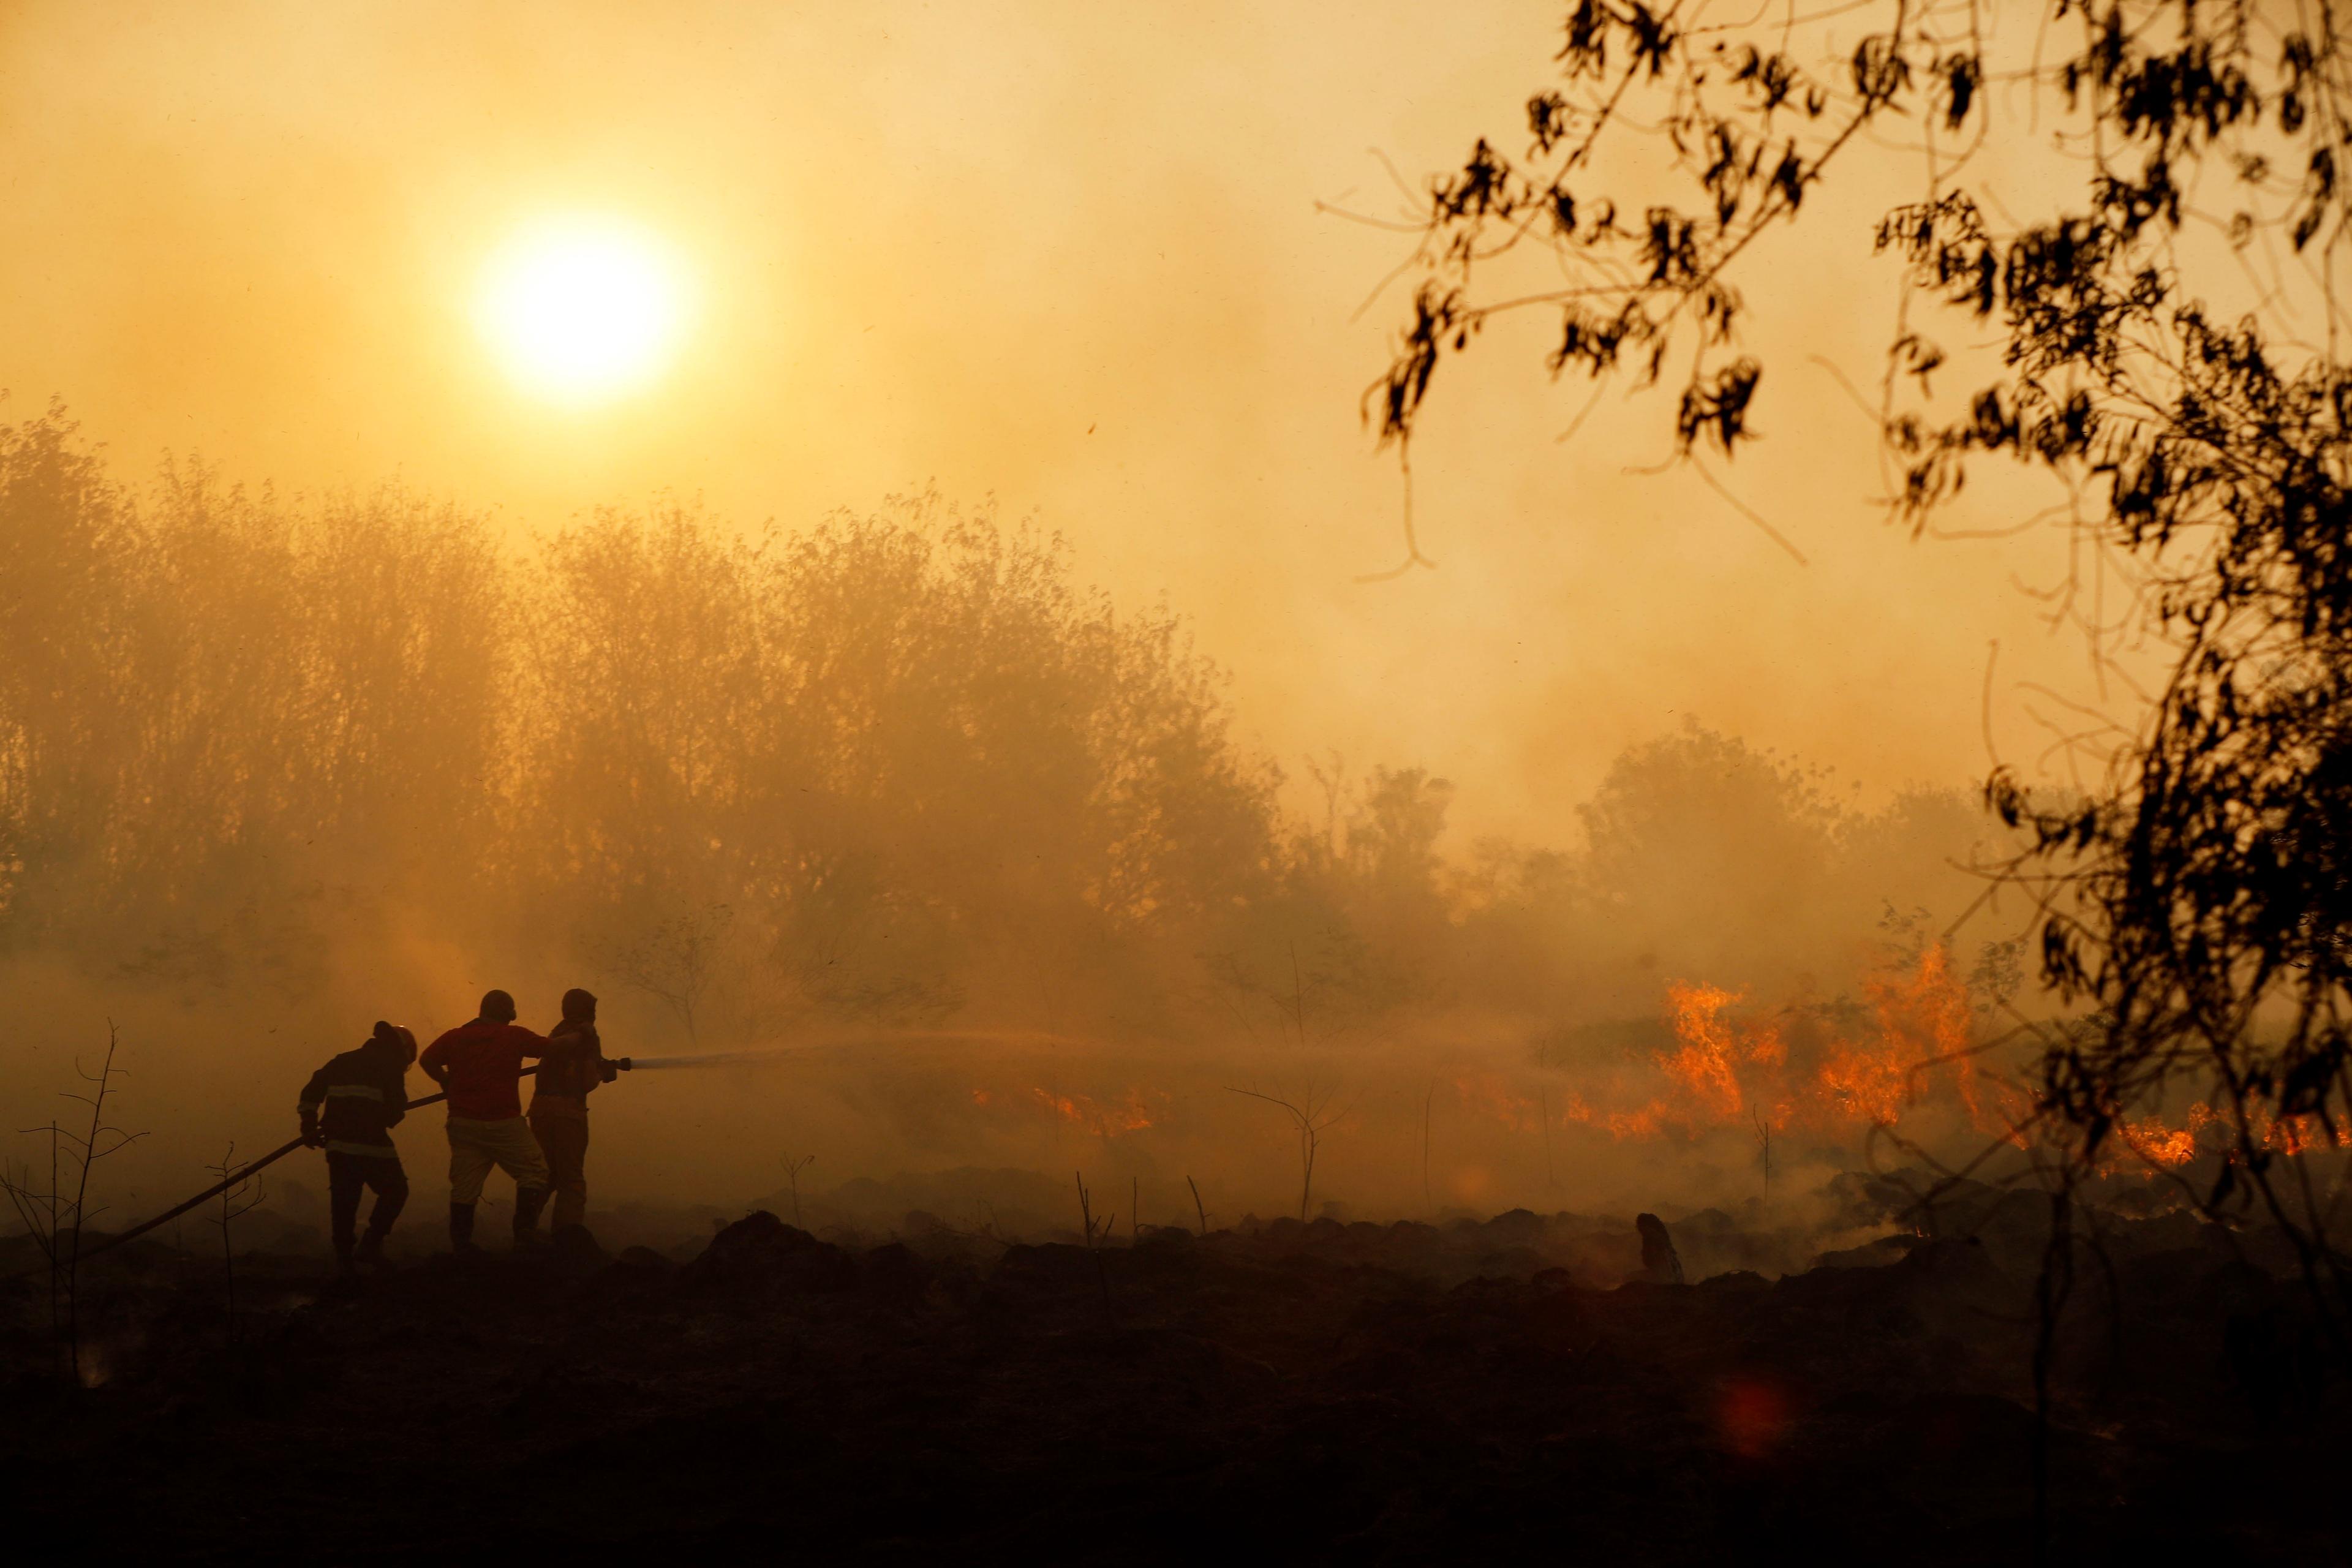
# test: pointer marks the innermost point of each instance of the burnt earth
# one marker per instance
(1324, 1392)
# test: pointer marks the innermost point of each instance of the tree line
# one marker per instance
(896, 767)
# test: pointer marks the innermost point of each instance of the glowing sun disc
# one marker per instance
(582, 310)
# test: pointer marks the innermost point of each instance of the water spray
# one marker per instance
(754, 1056)
(705, 1059)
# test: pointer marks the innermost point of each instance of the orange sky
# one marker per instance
(1067, 255)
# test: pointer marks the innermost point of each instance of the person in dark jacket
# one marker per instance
(349, 1108)
(573, 1065)
(1661, 1265)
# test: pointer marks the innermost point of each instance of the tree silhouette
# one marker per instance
(2143, 205)
(1312, 1115)
(56, 1211)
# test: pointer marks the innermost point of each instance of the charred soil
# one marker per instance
(1324, 1391)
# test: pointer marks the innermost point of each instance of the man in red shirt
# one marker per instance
(479, 1064)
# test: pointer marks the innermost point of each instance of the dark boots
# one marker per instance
(529, 1201)
(370, 1249)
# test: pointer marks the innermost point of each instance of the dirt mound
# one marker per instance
(760, 1254)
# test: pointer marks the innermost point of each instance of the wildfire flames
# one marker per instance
(2164, 1146)
(1726, 1069)
(1133, 1113)
(1725, 1066)
(1761, 1074)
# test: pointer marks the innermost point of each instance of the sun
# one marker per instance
(582, 310)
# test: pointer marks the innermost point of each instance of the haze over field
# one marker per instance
(1053, 782)
(370, 702)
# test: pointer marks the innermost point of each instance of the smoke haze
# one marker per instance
(362, 699)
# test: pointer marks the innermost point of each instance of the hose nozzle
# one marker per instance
(624, 1063)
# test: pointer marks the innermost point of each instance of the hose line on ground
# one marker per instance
(241, 1173)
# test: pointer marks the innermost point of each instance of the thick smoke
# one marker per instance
(976, 856)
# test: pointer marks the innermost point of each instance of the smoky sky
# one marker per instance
(1104, 264)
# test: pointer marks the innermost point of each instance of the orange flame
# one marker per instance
(2295, 1134)
(1724, 1070)
(2162, 1145)
(2159, 1144)
(1108, 1119)
(1708, 1061)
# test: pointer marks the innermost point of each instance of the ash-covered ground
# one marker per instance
(1321, 1392)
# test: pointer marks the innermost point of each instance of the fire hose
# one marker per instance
(246, 1171)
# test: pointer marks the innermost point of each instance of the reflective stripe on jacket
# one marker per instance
(356, 1099)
